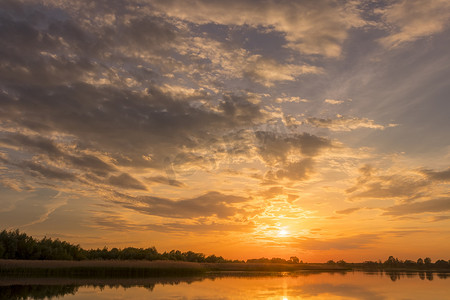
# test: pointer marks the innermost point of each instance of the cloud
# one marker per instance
(413, 19)
(126, 181)
(33, 143)
(317, 28)
(49, 172)
(268, 71)
(282, 153)
(348, 211)
(435, 205)
(272, 192)
(115, 222)
(275, 148)
(57, 153)
(211, 62)
(153, 124)
(366, 173)
(345, 123)
(404, 186)
(299, 170)
(333, 101)
(210, 204)
(165, 180)
(291, 100)
(440, 218)
(437, 175)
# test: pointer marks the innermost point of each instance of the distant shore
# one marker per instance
(136, 268)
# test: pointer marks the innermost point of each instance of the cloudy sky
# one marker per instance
(249, 128)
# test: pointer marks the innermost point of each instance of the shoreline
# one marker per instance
(137, 268)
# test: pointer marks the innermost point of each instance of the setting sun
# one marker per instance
(283, 233)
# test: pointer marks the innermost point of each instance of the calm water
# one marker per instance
(350, 285)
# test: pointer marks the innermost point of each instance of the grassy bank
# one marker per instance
(120, 268)
(83, 269)
(139, 268)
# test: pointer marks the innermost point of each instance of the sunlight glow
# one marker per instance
(283, 233)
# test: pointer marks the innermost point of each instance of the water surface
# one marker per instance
(281, 286)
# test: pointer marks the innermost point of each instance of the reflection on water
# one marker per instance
(284, 286)
(396, 275)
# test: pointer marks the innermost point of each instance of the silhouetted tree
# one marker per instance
(409, 263)
(391, 262)
(341, 262)
(440, 263)
(294, 259)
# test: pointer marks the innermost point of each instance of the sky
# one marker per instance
(241, 128)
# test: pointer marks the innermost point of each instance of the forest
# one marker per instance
(17, 245)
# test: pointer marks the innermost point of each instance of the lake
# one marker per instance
(280, 286)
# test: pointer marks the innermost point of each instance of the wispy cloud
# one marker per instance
(207, 205)
(298, 21)
(411, 20)
(437, 175)
(333, 101)
(348, 211)
(433, 206)
(341, 123)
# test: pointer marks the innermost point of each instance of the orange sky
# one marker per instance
(316, 129)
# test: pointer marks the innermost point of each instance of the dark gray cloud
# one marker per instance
(348, 211)
(89, 96)
(437, 175)
(36, 144)
(101, 118)
(126, 181)
(239, 109)
(428, 206)
(341, 123)
(111, 221)
(371, 185)
(48, 172)
(440, 218)
(169, 180)
(299, 170)
(209, 204)
(392, 188)
(274, 148)
(39, 168)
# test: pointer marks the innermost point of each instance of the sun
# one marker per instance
(283, 233)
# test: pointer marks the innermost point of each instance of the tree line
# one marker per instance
(393, 262)
(17, 245)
